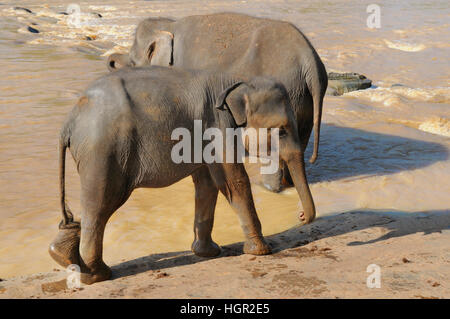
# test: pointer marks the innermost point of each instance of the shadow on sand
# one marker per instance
(398, 223)
(347, 152)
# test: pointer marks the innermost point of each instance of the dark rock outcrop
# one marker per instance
(340, 83)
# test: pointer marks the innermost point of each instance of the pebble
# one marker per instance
(91, 37)
(162, 275)
(32, 30)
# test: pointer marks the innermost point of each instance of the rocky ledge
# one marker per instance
(340, 83)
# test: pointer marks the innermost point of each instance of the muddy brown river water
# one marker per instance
(384, 148)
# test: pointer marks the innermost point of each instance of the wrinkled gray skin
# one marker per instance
(119, 135)
(244, 46)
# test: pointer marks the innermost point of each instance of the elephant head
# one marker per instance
(264, 103)
(153, 45)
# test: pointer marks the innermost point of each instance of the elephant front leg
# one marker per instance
(233, 182)
(205, 204)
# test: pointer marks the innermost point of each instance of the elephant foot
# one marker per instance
(257, 246)
(64, 248)
(93, 274)
(205, 248)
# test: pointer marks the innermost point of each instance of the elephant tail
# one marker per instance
(317, 82)
(67, 221)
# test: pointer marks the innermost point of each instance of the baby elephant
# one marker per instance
(120, 136)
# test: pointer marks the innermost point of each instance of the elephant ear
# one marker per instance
(160, 50)
(237, 103)
(116, 61)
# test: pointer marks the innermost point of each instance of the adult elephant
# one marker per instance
(245, 46)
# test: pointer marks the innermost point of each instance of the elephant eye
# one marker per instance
(282, 132)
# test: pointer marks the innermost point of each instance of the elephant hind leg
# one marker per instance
(205, 204)
(104, 188)
(93, 268)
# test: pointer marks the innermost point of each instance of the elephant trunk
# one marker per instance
(296, 167)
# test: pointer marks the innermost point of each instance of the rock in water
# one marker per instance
(32, 30)
(340, 83)
(23, 9)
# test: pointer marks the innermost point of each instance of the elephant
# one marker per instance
(243, 46)
(120, 136)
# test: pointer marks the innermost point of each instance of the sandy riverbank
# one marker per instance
(383, 149)
(327, 259)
